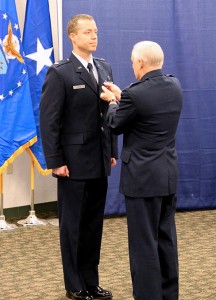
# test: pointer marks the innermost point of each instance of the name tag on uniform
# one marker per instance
(78, 87)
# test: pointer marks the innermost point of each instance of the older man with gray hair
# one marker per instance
(147, 114)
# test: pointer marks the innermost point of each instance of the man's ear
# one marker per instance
(72, 36)
(141, 63)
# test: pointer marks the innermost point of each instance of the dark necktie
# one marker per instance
(90, 68)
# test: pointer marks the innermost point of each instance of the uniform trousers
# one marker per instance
(153, 247)
(81, 206)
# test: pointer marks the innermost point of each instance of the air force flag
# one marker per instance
(17, 124)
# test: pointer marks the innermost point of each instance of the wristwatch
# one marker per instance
(112, 101)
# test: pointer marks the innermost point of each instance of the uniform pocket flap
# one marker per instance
(76, 138)
(125, 156)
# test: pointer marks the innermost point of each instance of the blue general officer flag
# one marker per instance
(38, 48)
(17, 124)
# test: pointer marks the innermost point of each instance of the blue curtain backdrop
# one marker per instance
(186, 30)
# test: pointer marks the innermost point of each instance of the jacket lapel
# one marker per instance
(102, 75)
(83, 73)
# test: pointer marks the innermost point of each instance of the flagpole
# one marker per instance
(60, 33)
(32, 218)
(3, 224)
(32, 184)
(1, 192)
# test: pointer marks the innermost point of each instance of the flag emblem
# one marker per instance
(10, 57)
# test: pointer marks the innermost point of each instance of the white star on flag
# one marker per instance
(42, 56)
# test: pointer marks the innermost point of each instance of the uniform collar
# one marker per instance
(151, 74)
(83, 61)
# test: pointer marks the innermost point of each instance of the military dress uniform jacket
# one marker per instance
(72, 120)
(148, 116)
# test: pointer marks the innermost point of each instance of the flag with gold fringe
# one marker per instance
(38, 48)
(17, 123)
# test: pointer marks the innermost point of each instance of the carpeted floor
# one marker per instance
(30, 262)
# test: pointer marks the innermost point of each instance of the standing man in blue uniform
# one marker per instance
(80, 150)
(148, 115)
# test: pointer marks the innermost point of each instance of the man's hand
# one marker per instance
(107, 95)
(113, 162)
(61, 171)
(113, 88)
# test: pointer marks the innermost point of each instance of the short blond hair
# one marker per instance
(150, 52)
(73, 22)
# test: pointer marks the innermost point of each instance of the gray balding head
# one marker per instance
(150, 52)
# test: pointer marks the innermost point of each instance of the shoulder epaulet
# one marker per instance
(62, 62)
(134, 83)
(169, 75)
(100, 59)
